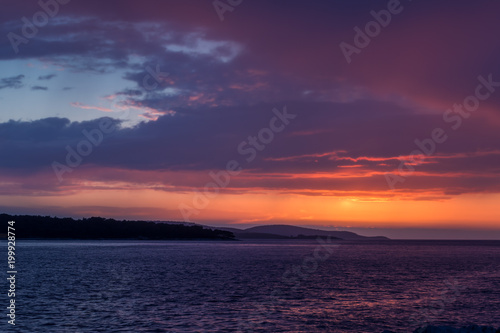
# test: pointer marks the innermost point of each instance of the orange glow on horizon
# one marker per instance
(268, 207)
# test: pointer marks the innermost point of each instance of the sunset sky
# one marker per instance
(255, 112)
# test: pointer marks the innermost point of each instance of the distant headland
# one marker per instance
(283, 231)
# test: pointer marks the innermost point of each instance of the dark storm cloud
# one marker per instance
(46, 77)
(39, 88)
(30, 146)
(324, 137)
(425, 53)
(14, 82)
(224, 78)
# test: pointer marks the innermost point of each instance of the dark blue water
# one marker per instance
(272, 286)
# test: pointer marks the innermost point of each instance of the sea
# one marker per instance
(317, 285)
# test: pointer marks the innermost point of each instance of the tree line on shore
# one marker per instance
(31, 226)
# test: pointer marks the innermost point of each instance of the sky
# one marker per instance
(379, 117)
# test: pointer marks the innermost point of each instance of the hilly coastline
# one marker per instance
(282, 231)
(46, 227)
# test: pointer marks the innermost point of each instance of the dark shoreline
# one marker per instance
(123, 239)
(98, 228)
